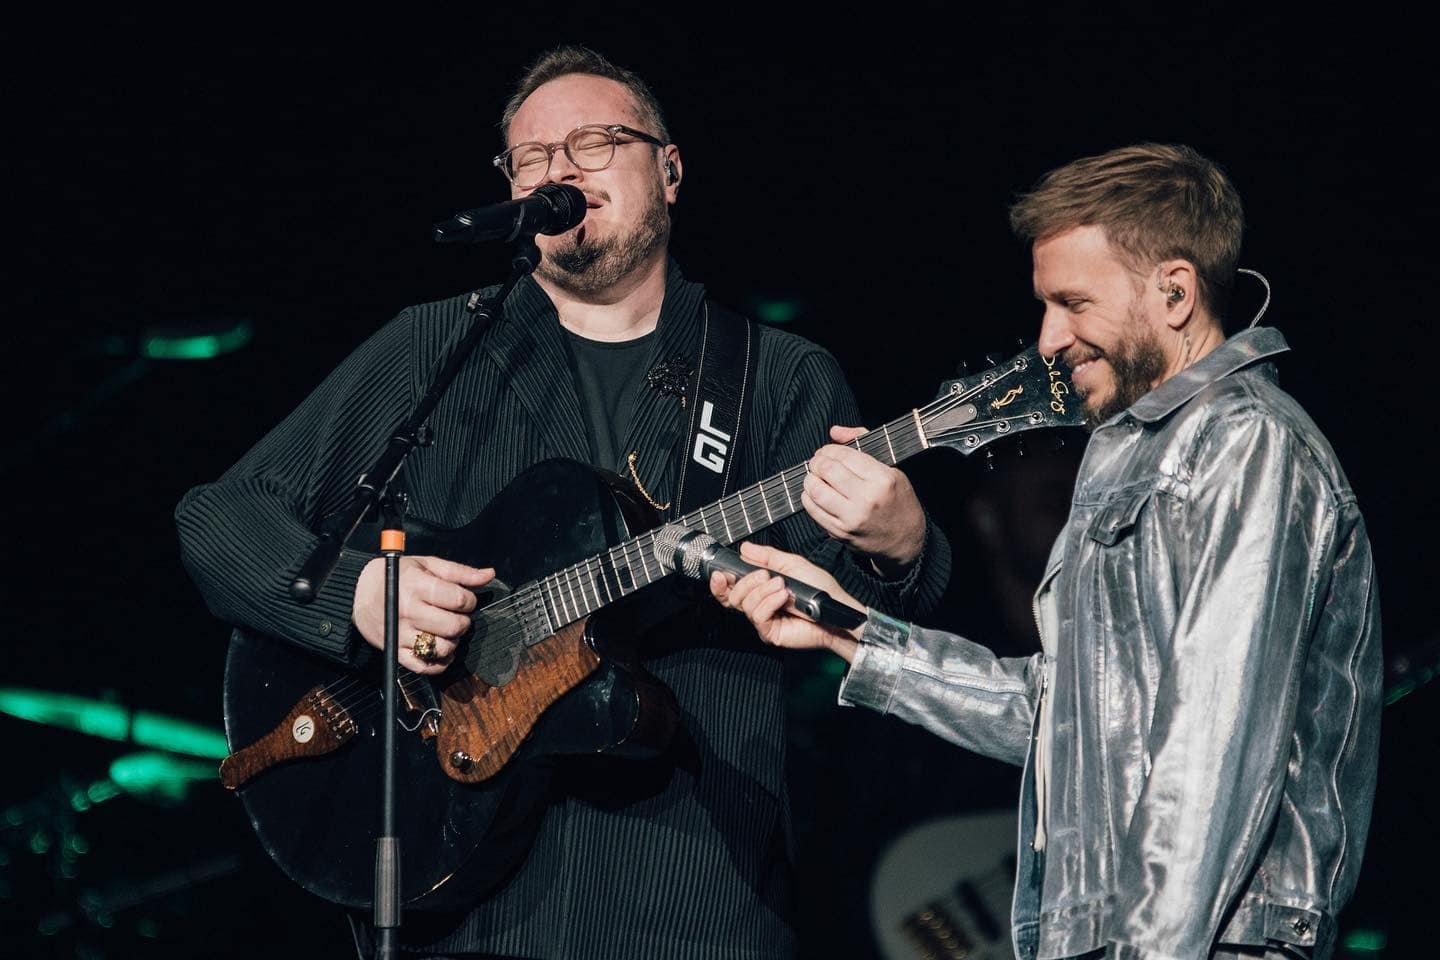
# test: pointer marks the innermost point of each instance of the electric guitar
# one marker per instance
(537, 678)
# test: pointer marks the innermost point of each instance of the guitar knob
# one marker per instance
(461, 761)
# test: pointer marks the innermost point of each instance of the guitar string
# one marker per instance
(501, 648)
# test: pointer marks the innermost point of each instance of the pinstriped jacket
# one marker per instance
(698, 866)
(1199, 735)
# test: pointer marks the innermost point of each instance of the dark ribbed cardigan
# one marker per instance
(700, 867)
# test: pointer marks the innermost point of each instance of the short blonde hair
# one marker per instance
(1155, 201)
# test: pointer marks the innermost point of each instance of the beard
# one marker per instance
(590, 266)
(1136, 362)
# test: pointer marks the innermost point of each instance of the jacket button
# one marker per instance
(1301, 927)
(325, 627)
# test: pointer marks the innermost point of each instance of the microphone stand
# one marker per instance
(372, 491)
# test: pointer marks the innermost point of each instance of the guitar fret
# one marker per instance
(600, 570)
(562, 612)
(624, 579)
(644, 552)
(615, 578)
(640, 552)
(584, 580)
(552, 614)
(765, 501)
(785, 485)
(729, 537)
(588, 579)
(557, 601)
(597, 581)
(744, 513)
(570, 588)
(886, 431)
(577, 590)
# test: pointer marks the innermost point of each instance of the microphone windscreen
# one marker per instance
(567, 206)
(673, 541)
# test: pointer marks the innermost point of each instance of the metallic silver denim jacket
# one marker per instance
(1199, 737)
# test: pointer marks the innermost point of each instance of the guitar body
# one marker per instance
(317, 816)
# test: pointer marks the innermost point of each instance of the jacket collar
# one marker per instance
(1242, 350)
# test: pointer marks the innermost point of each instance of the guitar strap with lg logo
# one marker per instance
(723, 384)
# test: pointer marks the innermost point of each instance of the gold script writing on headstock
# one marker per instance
(1058, 387)
(1008, 399)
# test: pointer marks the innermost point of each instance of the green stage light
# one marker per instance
(1365, 941)
(777, 312)
(102, 790)
(204, 340)
(95, 717)
(114, 722)
(178, 736)
(158, 775)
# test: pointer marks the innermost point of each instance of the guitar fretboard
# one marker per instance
(582, 588)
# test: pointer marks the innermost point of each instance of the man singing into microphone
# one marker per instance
(1199, 734)
(596, 359)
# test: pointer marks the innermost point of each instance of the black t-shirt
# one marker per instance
(607, 376)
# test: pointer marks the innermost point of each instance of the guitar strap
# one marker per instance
(721, 389)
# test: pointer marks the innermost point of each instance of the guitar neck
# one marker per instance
(735, 517)
(582, 588)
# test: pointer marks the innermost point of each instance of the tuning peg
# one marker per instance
(992, 358)
(1059, 441)
(1020, 342)
(1019, 446)
(962, 369)
(989, 459)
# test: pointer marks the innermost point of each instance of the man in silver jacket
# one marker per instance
(1199, 735)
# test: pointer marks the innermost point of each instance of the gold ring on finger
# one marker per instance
(425, 645)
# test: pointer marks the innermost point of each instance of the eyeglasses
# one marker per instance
(590, 146)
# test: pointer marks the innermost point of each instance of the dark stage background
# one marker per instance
(858, 168)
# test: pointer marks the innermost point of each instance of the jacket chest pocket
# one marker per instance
(1111, 568)
(1116, 518)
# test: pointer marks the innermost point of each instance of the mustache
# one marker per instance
(1077, 355)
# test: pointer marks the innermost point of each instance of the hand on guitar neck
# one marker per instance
(436, 597)
(863, 503)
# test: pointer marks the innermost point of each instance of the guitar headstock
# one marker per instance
(1025, 392)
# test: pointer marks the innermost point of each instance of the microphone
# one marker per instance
(697, 555)
(551, 209)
